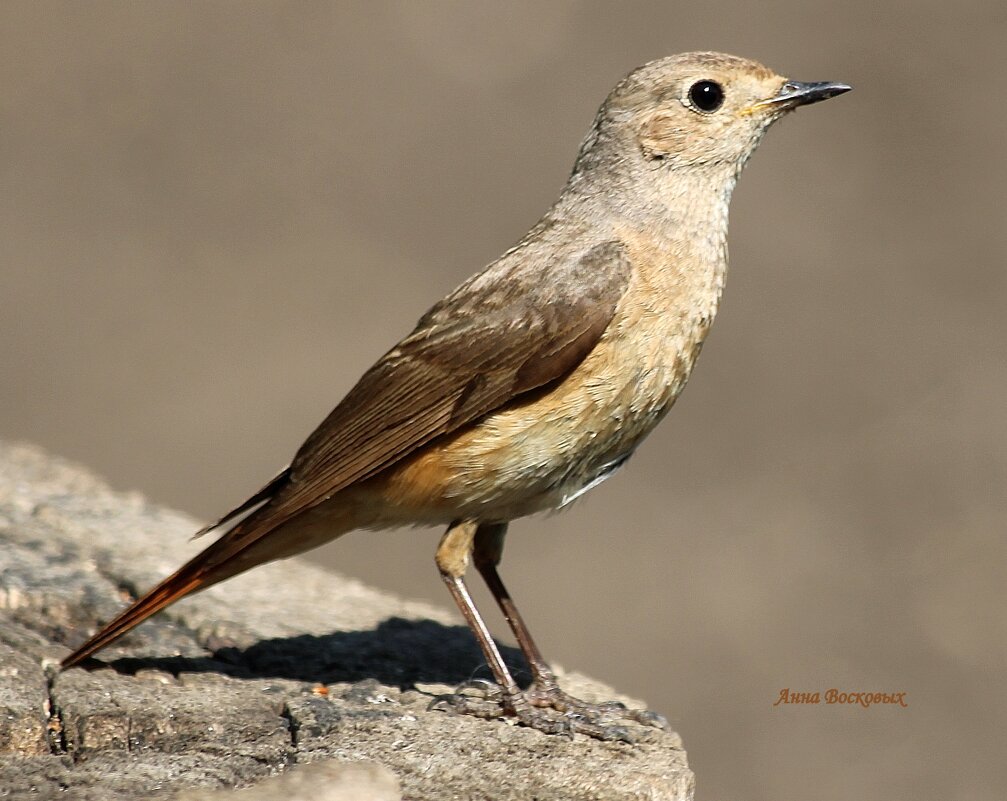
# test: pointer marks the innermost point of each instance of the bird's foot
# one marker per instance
(477, 697)
(541, 694)
(537, 709)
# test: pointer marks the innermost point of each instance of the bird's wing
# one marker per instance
(483, 346)
(495, 338)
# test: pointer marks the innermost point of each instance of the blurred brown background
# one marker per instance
(216, 215)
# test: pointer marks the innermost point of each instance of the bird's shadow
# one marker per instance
(398, 652)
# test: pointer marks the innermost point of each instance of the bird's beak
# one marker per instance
(798, 93)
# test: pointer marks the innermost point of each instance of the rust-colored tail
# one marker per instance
(193, 576)
(264, 535)
(221, 560)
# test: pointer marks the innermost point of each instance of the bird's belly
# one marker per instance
(543, 452)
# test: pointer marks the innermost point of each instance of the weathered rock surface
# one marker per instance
(287, 670)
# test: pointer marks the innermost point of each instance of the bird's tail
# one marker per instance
(262, 536)
(212, 565)
(197, 574)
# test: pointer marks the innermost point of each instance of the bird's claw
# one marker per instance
(536, 708)
(488, 690)
(605, 713)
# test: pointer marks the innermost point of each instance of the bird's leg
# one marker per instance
(453, 555)
(452, 559)
(544, 690)
(486, 553)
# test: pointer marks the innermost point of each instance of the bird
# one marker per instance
(537, 378)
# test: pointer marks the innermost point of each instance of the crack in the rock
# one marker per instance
(120, 584)
(292, 727)
(127, 588)
(55, 726)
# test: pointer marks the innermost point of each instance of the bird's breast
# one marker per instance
(552, 445)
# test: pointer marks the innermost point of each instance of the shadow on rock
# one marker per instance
(398, 653)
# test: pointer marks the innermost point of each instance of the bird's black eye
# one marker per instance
(706, 95)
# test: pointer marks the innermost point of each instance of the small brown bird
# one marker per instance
(538, 377)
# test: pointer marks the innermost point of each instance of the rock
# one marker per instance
(24, 713)
(320, 781)
(288, 669)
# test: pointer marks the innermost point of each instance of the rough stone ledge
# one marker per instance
(287, 670)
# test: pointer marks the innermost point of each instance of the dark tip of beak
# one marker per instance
(799, 93)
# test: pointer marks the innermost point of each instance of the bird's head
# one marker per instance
(700, 110)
